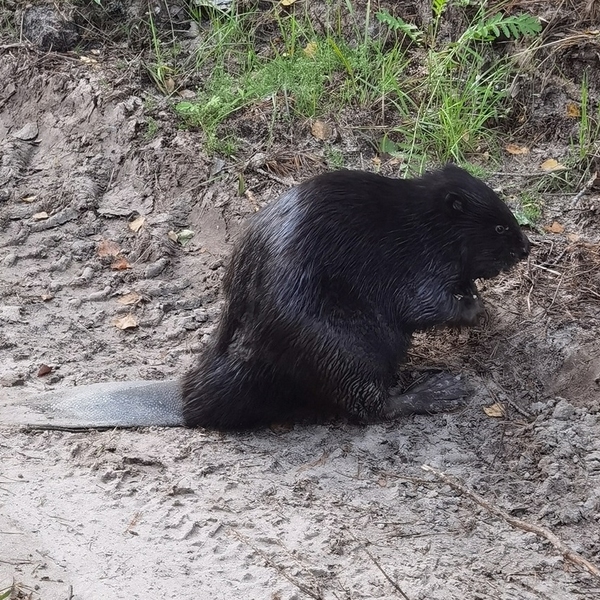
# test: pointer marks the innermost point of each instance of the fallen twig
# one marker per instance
(584, 189)
(288, 182)
(567, 552)
(555, 293)
(303, 588)
(7, 98)
(392, 582)
(590, 291)
(546, 269)
(15, 45)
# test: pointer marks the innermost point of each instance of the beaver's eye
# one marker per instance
(501, 229)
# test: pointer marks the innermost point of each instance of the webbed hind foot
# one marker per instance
(442, 392)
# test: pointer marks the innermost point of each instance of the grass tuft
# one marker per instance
(445, 111)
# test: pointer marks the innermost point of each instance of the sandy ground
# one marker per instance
(328, 511)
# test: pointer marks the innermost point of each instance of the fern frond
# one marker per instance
(438, 7)
(511, 27)
(410, 30)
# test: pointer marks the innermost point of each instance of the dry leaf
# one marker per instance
(496, 410)
(88, 60)
(126, 322)
(120, 264)
(311, 49)
(551, 165)
(40, 216)
(556, 227)
(321, 130)
(136, 224)
(108, 248)
(287, 2)
(572, 237)
(573, 111)
(252, 199)
(131, 298)
(44, 370)
(46, 297)
(184, 236)
(516, 150)
(169, 85)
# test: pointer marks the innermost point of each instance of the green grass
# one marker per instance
(531, 208)
(438, 101)
(459, 110)
(151, 128)
(583, 154)
(462, 97)
(7, 593)
(302, 76)
(334, 157)
(161, 70)
(587, 145)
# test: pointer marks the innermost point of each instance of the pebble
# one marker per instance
(10, 259)
(12, 379)
(62, 264)
(101, 295)
(156, 268)
(174, 333)
(60, 218)
(88, 273)
(563, 411)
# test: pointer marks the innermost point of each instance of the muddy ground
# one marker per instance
(331, 511)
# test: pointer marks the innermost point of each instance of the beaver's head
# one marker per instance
(489, 236)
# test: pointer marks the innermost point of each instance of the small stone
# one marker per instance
(563, 411)
(100, 295)
(153, 318)
(28, 132)
(9, 259)
(175, 333)
(156, 268)
(188, 323)
(88, 273)
(12, 380)
(62, 264)
(49, 30)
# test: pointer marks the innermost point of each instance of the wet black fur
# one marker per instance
(329, 282)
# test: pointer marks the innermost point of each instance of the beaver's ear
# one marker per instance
(456, 202)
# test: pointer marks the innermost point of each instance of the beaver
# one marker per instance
(328, 284)
(323, 293)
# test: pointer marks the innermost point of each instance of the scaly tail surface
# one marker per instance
(100, 405)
